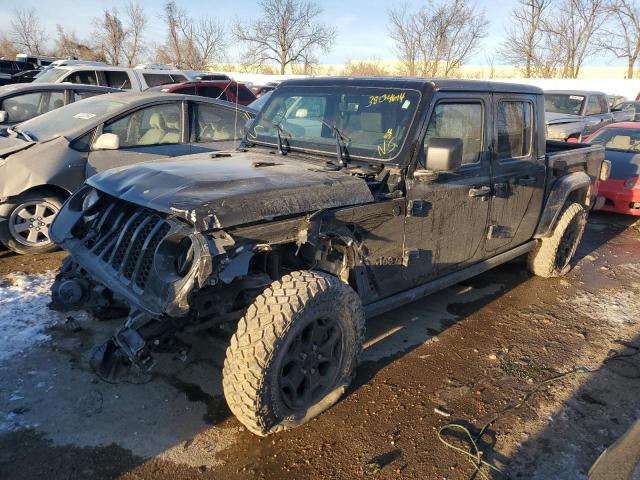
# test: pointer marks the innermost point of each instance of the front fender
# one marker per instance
(558, 196)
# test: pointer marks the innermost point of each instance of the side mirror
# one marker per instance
(443, 154)
(4, 116)
(107, 141)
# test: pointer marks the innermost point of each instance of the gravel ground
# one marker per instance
(548, 367)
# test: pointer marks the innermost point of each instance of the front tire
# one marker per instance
(552, 256)
(294, 352)
(26, 229)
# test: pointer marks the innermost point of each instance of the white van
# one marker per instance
(117, 77)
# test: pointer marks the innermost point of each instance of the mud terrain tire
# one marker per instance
(552, 256)
(294, 352)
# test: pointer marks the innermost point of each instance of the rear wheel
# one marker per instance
(552, 256)
(26, 229)
(294, 352)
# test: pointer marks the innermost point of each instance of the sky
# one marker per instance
(361, 24)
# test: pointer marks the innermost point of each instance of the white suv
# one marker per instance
(117, 77)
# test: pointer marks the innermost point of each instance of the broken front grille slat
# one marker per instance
(124, 237)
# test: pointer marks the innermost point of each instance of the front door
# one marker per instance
(447, 212)
(146, 134)
(518, 166)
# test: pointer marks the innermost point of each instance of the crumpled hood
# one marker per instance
(555, 118)
(10, 145)
(228, 191)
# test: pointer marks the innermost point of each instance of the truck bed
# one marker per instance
(563, 157)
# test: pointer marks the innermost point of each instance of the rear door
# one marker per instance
(447, 213)
(518, 173)
(145, 134)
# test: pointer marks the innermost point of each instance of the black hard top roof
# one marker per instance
(418, 84)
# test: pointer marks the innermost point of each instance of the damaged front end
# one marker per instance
(154, 264)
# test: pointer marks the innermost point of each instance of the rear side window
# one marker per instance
(459, 120)
(245, 95)
(186, 90)
(155, 79)
(218, 124)
(24, 107)
(178, 78)
(117, 79)
(212, 92)
(86, 77)
(514, 129)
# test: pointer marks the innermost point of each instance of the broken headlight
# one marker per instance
(184, 259)
(90, 204)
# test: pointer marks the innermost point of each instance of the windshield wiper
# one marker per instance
(279, 129)
(20, 132)
(340, 137)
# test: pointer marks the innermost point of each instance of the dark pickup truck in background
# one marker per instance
(574, 115)
(347, 198)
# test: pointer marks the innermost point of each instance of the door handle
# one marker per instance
(483, 191)
(526, 181)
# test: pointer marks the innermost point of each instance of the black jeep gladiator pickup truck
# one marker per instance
(346, 198)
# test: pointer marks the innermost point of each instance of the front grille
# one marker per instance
(124, 237)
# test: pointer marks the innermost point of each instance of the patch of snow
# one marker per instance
(24, 315)
(614, 306)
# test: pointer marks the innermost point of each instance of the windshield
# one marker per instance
(563, 103)
(50, 76)
(373, 121)
(64, 119)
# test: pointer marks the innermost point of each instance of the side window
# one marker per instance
(117, 79)
(186, 90)
(23, 107)
(80, 95)
(175, 78)
(244, 94)
(156, 125)
(593, 106)
(218, 124)
(86, 77)
(604, 104)
(459, 120)
(514, 122)
(155, 79)
(212, 92)
(56, 100)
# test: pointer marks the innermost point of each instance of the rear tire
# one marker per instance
(552, 256)
(26, 229)
(294, 352)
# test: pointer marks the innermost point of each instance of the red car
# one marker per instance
(221, 89)
(622, 148)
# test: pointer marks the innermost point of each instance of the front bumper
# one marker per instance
(132, 251)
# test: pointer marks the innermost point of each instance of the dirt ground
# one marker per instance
(550, 368)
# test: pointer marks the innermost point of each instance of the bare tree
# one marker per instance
(7, 49)
(68, 45)
(110, 35)
(287, 32)
(572, 29)
(191, 44)
(439, 38)
(524, 41)
(404, 32)
(27, 32)
(621, 36)
(136, 23)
